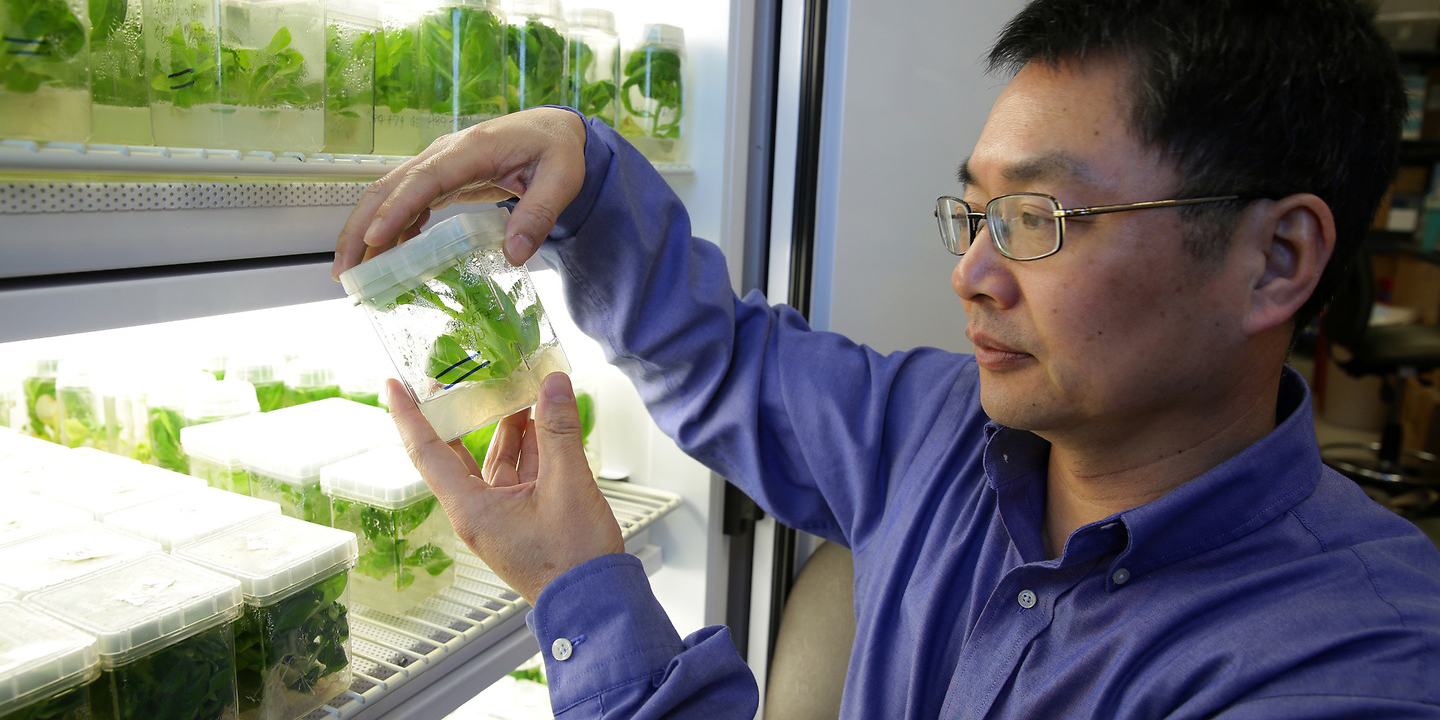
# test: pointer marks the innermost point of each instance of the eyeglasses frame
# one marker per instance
(1060, 214)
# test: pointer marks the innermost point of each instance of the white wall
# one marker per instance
(906, 96)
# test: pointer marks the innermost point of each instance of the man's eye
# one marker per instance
(1034, 220)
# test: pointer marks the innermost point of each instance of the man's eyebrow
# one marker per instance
(1057, 163)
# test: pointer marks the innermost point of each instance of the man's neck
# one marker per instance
(1092, 478)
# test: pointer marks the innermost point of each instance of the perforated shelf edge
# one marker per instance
(467, 636)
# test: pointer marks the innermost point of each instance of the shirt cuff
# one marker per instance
(600, 627)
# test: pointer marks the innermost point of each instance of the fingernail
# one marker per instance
(372, 233)
(557, 390)
(520, 246)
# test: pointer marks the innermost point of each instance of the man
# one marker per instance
(1114, 509)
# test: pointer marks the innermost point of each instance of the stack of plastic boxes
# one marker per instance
(407, 548)
(46, 666)
(190, 516)
(292, 641)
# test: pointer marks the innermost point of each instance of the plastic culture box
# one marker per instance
(126, 420)
(363, 383)
(190, 516)
(165, 398)
(45, 69)
(121, 111)
(594, 75)
(220, 400)
(46, 666)
(536, 47)
(103, 490)
(350, 30)
(406, 545)
(25, 516)
(42, 410)
(214, 451)
(309, 378)
(166, 637)
(460, 66)
(398, 115)
(653, 93)
(82, 409)
(464, 328)
(265, 372)
(292, 642)
(58, 556)
(240, 74)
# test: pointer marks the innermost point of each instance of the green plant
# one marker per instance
(43, 44)
(461, 62)
(395, 82)
(218, 476)
(271, 395)
(42, 409)
(592, 99)
(73, 704)
(117, 71)
(165, 447)
(478, 441)
(193, 68)
(654, 72)
(305, 502)
(364, 398)
(300, 395)
(79, 426)
(349, 67)
(193, 679)
(292, 644)
(535, 74)
(488, 337)
(386, 552)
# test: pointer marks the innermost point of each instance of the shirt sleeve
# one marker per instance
(809, 424)
(611, 652)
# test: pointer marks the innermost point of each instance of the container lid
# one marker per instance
(54, 557)
(309, 371)
(274, 555)
(221, 399)
(170, 389)
(662, 34)
(144, 605)
(383, 477)
(114, 489)
(255, 368)
(78, 372)
(591, 18)
(534, 8)
(41, 657)
(381, 279)
(300, 440)
(6, 594)
(44, 367)
(190, 515)
(25, 516)
(224, 441)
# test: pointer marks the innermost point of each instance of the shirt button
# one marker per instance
(1026, 599)
(561, 649)
(1120, 576)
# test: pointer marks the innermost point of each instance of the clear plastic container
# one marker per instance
(594, 75)
(58, 556)
(46, 70)
(220, 400)
(265, 371)
(407, 548)
(214, 451)
(127, 431)
(102, 491)
(121, 95)
(463, 326)
(190, 516)
(82, 408)
(292, 642)
(653, 94)
(166, 394)
(460, 66)
(309, 378)
(30, 461)
(535, 44)
(243, 74)
(398, 110)
(46, 666)
(285, 460)
(25, 516)
(42, 410)
(364, 382)
(166, 637)
(350, 30)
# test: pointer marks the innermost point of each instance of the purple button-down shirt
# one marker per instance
(1269, 587)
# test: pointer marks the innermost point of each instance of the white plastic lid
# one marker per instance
(310, 371)
(54, 557)
(381, 279)
(593, 18)
(103, 493)
(44, 367)
(78, 372)
(300, 440)
(144, 605)
(41, 657)
(222, 442)
(6, 594)
(220, 400)
(662, 34)
(274, 555)
(536, 8)
(255, 368)
(383, 477)
(191, 515)
(25, 516)
(173, 388)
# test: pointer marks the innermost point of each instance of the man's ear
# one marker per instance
(1295, 235)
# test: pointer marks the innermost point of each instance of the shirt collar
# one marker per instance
(1229, 501)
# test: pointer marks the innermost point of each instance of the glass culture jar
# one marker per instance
(121, 97)
(535, 46)
(460, 64)
(45, 70)
(653, 94)
(350, 30)
(465, 329)
(397, 101)
(594, 76)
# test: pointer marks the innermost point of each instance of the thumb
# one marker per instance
(557, 424)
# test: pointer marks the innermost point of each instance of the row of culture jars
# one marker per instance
(342, 77)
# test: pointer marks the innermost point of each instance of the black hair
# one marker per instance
(1262, 98)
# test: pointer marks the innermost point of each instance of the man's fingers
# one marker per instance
(436, 461)
(557, 431)
(505, 449)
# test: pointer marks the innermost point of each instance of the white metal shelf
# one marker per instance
(466, 637)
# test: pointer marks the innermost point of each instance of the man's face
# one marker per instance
(1122, 328)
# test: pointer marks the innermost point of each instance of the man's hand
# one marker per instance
(534, 510)
(537, 155)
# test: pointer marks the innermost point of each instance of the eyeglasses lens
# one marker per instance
(1024, 226)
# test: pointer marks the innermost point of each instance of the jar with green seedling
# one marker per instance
(460, 66)
(537, 55)
(122, 393)
(45, 69)
(593, 85)
(265, 372)
(166, 393)
(465, 329)
(121, 100)
(42, 410)
(351, 27)
(309, 378)
(214, 451)
(398, 114)
(652, 94)
(82, 408)
(46, 666)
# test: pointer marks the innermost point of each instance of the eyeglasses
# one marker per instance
(1028, 226)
